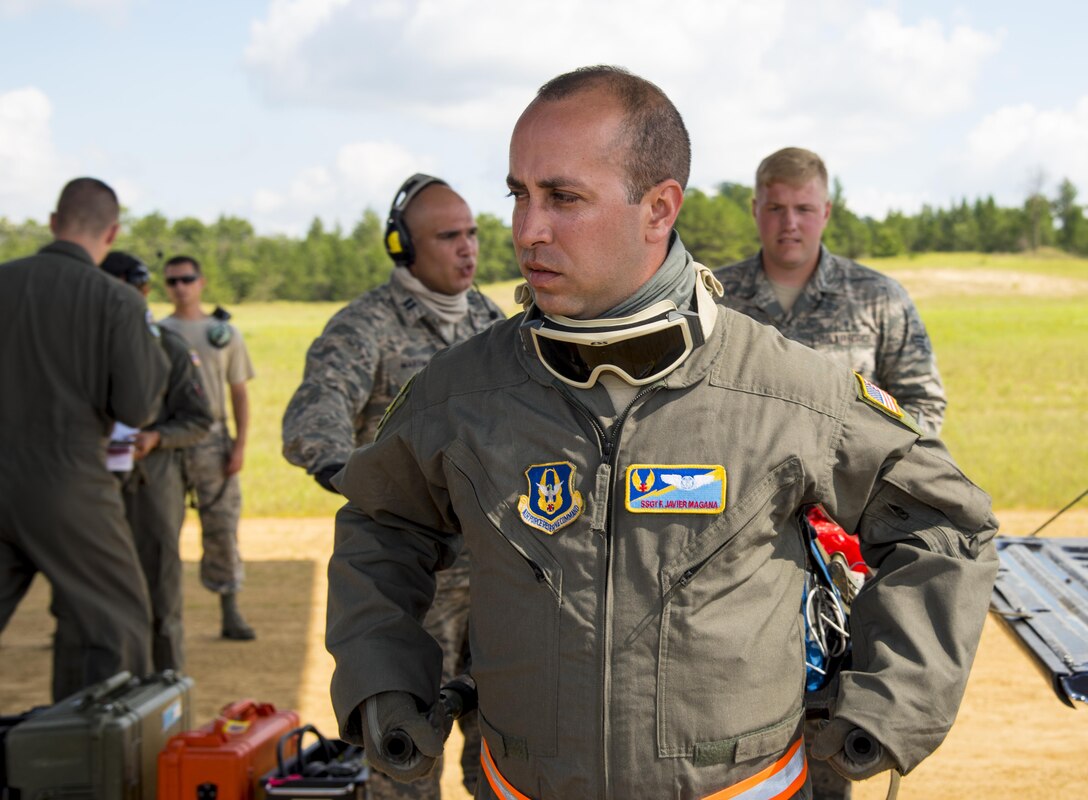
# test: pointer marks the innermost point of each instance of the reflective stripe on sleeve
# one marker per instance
(779, 781)
(499, 784)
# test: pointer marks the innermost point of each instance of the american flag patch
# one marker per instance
(869, 391)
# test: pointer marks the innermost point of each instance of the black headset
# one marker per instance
(398, 241)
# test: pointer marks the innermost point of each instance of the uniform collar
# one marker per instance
(69, 249)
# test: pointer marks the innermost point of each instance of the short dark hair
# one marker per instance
(658, 145)
(87, 206)
(177, 261)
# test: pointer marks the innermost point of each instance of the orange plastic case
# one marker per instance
(225, 759)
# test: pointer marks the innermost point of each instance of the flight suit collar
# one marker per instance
(70, 249)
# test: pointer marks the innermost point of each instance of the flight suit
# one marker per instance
(76, 353)
(154, 495)
(636, 628)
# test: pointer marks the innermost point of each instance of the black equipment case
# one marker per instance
(101, 743)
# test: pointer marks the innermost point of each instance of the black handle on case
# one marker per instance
(102, 690)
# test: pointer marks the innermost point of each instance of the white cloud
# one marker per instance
(31, 171)
(362, 174)
(114, 9)
(851, 81)
(1014, 142)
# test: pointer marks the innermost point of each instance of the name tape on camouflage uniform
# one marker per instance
(675, 488)
(552, 502)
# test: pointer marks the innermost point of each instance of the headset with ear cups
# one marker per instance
(398, 241)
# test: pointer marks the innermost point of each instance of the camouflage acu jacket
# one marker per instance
(863, 319)
(354, 369)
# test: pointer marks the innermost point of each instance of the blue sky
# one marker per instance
(285, 110)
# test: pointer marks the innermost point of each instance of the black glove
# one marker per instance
(386, 712)
(324, 477)
(828, 745)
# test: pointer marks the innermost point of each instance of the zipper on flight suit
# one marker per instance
(606, 442)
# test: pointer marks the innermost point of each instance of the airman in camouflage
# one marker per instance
(213, 464)
(859, 316)
(855, 314)
(368, 351)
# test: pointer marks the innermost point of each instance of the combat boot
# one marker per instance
(234, 627)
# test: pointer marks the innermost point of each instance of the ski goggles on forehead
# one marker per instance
(640, 349)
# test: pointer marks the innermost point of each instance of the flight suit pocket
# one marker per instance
(894, 516)
(516, 588)
(729, 652)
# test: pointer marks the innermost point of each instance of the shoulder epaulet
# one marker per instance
(873, 395)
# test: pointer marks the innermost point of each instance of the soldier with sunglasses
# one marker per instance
(212, 466)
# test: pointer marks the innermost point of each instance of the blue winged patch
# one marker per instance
(675, 488)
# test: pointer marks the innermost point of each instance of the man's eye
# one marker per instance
(517, 194)
(563, 197)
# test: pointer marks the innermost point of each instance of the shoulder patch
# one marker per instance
(873, 395)
(398, 401)
(152, 325)
(552, 502)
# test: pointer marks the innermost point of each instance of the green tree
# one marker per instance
(1072, 233)
(498, 260)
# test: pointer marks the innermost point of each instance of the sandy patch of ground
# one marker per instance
(943, 282)
(1014, 739)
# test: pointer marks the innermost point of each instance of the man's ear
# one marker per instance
(53, 224)
(111, 234)
(663, 203)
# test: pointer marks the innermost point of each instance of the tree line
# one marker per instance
(329, 263)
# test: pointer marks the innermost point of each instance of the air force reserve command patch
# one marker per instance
(675, 488)
(878, 398)
(552, 502)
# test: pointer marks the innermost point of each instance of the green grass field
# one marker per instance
(1011, 334)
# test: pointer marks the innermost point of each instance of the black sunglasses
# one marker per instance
(181, 279)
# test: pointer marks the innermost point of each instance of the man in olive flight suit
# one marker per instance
(154, 491)
(627, 462)
(76, 355)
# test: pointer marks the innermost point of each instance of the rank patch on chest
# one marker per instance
(552, 502)
(675, 488)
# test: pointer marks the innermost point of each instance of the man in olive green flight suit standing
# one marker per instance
(154, 491)
(76, 354)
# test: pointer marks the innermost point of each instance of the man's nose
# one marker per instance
(532, 226)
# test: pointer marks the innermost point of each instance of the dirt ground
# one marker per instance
(1013, 737)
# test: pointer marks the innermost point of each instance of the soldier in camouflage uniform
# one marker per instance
(862, 318)
(212, 466)
(357, 366)
(154, 491)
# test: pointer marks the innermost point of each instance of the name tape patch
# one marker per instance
(675, 488)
